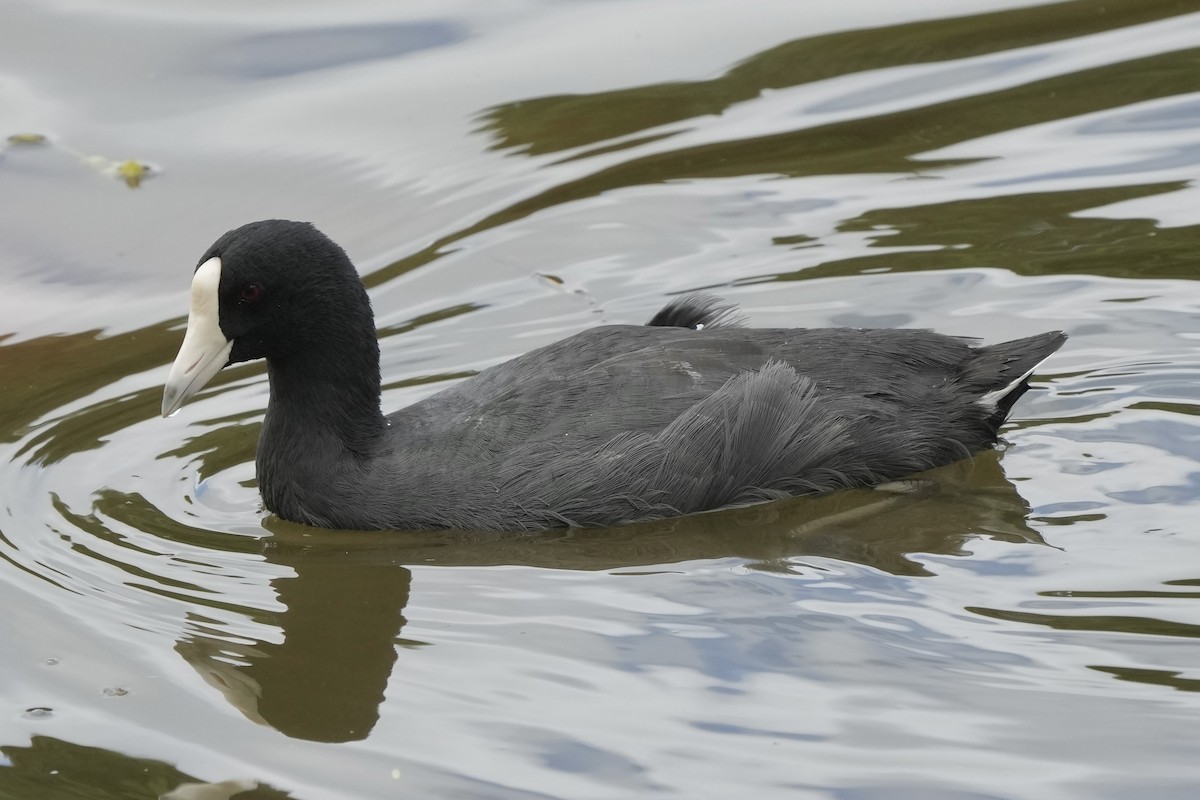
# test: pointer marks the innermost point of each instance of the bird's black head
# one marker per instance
(274, 289)
(282, 284)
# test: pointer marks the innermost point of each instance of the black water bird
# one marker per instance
(618, 423)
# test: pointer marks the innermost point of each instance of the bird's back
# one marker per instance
(625, 422)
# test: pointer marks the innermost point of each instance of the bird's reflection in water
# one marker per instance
(324, 678)
(56, 768)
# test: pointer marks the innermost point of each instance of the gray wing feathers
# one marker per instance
(763, 435)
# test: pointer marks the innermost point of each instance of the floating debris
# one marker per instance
(131, 171)
(27, 140)
(560, 283)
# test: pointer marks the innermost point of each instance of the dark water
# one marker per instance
(1023, 625)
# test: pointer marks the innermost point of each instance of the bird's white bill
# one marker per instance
(205, 350)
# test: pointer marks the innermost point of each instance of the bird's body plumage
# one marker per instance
(627, 422)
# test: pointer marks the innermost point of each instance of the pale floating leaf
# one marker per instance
(27, 139)
(133, 172)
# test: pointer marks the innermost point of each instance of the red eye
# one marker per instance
(251, 293)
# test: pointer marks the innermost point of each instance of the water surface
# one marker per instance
(1021, 625)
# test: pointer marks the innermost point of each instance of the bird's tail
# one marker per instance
(1000, 372)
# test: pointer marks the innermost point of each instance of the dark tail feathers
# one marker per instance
(697, 311)
(1000, 372)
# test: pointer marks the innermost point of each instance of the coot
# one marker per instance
(615, 424)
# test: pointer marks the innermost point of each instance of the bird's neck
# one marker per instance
(330, 399)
